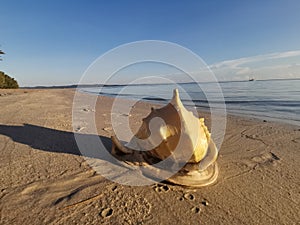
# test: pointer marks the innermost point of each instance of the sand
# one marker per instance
(45, 180)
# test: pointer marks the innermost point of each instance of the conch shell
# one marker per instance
(174, 133)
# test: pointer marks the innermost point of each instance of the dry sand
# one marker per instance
(44, 180)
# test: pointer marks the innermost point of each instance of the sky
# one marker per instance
(54, 42)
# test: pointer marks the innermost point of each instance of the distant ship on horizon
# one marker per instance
(251, 79)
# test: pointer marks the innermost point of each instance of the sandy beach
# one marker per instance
(45, 180)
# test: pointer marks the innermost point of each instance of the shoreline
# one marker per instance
(276, 118)
(206, 110)
(201, 109)
(116, 85)
(44, 178)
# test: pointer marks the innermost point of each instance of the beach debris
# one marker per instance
(78, 129)
(125, 114)
(173, 133)
(108, 129)
(88, 110)
(107, 212)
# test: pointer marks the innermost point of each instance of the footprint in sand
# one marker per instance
(204, 202)
(196, 209)
(265, 159)
(296, 140)
(161, 188)
(189, 196)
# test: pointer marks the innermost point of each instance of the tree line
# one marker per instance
(5, 80)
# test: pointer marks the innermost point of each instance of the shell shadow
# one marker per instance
(51, 140)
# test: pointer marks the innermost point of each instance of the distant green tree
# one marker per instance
(2, 79)
(5, 80)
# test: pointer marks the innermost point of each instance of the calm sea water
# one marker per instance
(274, 100)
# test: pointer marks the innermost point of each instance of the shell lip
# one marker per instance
(189, 174)
(196, 178)
(151, 160)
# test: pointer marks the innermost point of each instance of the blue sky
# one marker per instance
(53, 42)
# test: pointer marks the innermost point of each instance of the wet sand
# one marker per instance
(45, 180)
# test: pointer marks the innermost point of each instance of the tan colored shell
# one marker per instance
(173, 131)
(177, 128)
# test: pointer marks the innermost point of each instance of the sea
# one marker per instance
(271, 100)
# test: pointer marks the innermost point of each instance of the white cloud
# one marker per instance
(238, 62)
(267, 66)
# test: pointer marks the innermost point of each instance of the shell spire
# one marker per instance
(176, 99)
